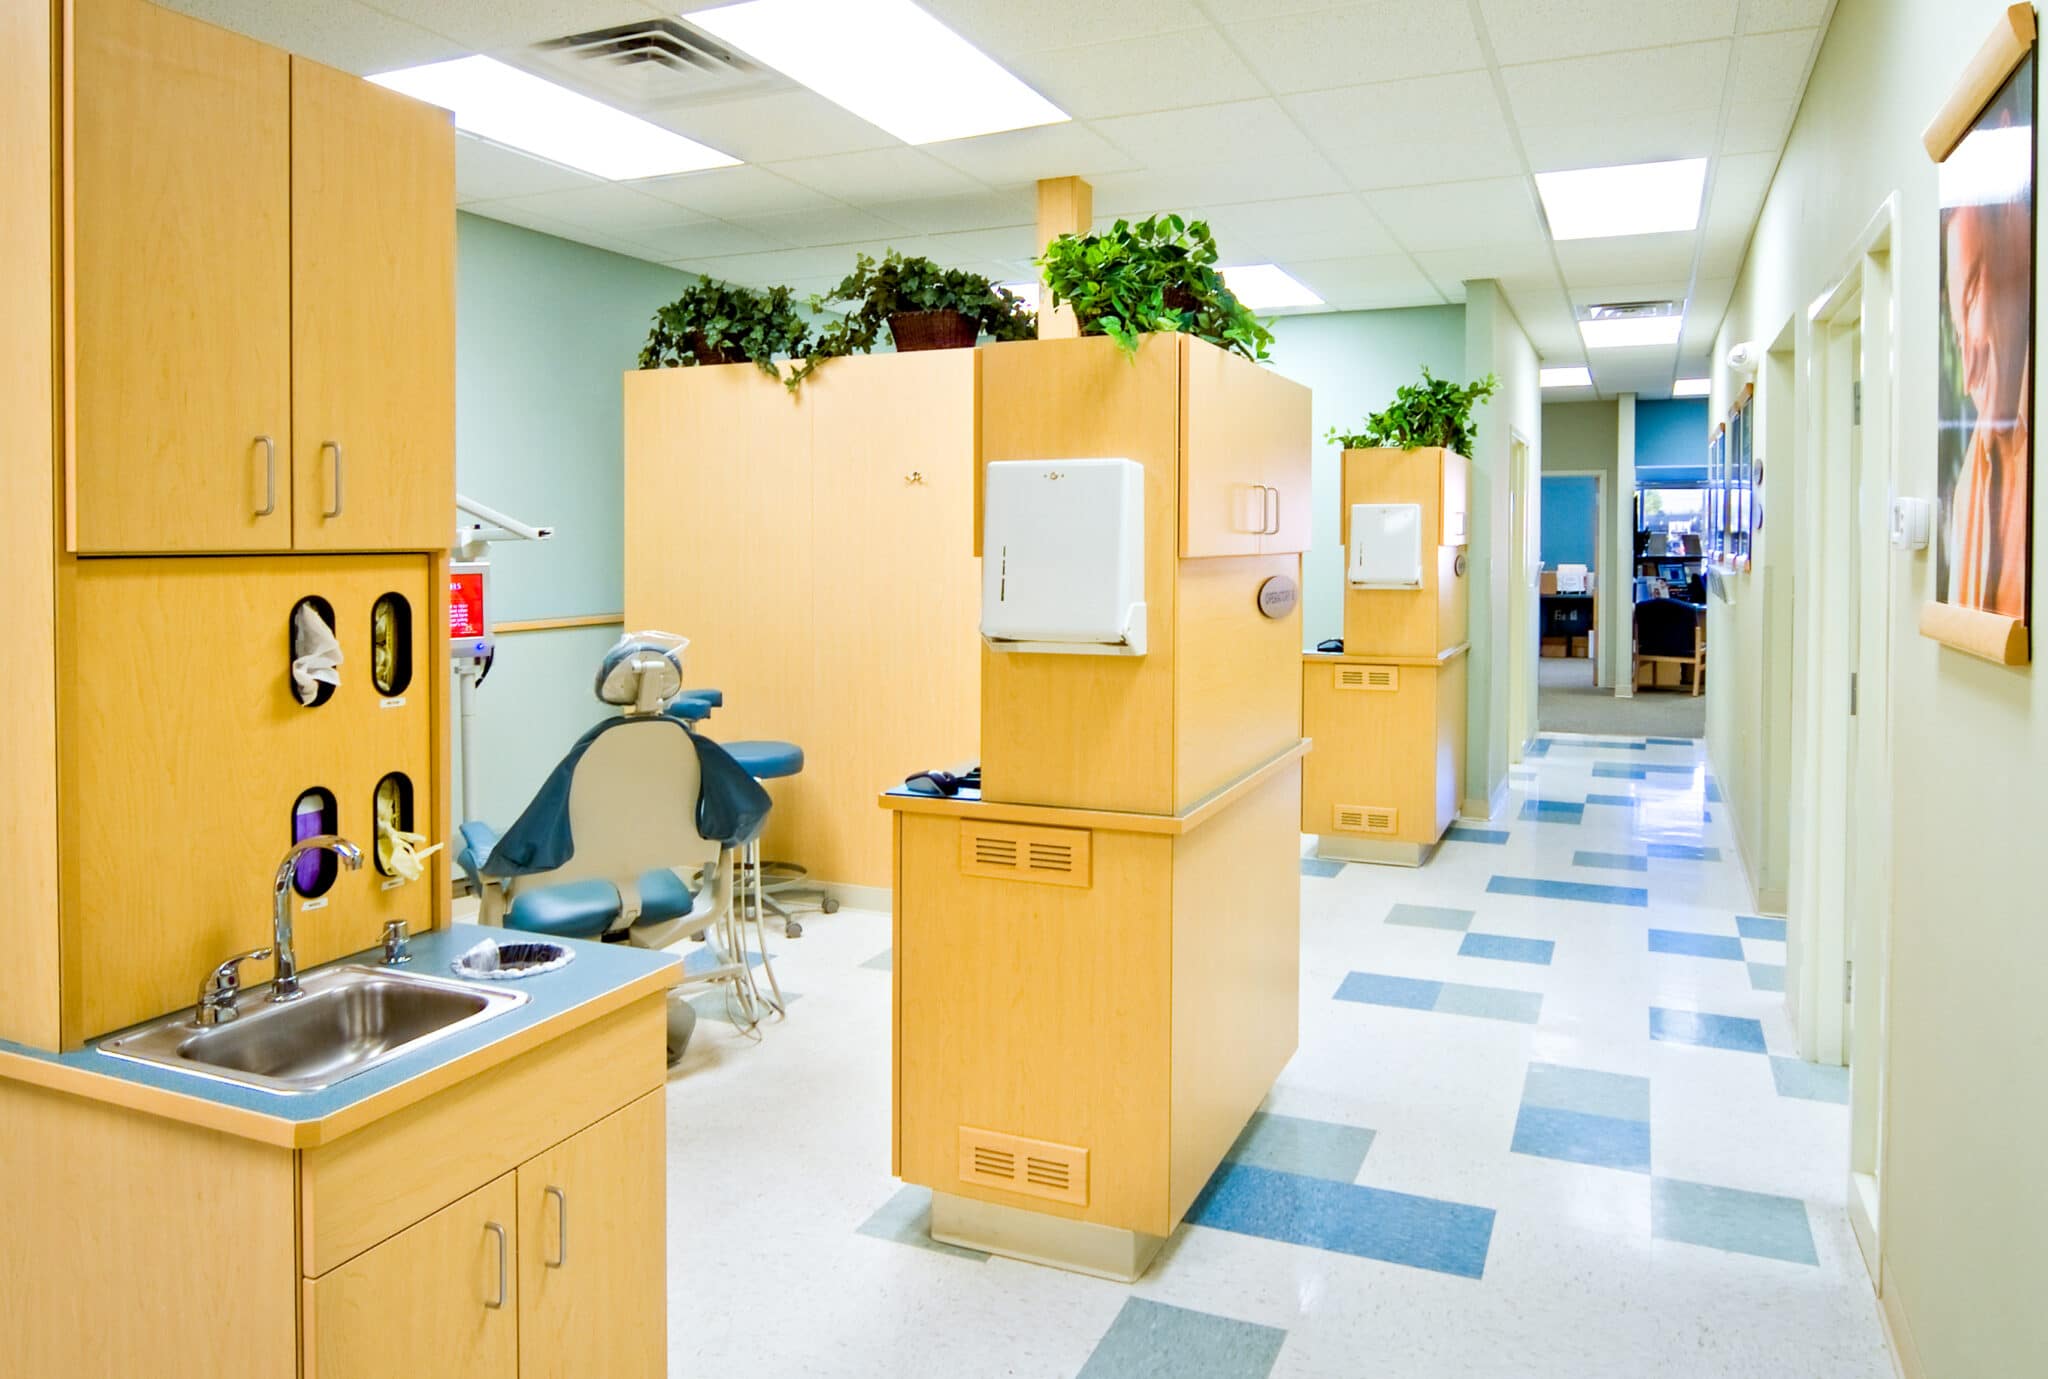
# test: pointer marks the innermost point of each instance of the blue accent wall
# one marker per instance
(1671, 441)
(1571, 520)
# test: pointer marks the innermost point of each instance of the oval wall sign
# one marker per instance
(1277, 596)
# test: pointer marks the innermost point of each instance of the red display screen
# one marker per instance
(466, 604)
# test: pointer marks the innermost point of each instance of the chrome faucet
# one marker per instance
(285, 986)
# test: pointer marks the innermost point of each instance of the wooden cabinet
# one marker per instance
(179, 284)
(592, 1244)
(373, 315)
(261, 296)
(1245, 450)
(443, 1294)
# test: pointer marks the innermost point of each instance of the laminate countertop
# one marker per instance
(602, 978)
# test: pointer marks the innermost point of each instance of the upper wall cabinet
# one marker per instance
(1244, 442)
(180, 338)
(373, 315)
(262, 338)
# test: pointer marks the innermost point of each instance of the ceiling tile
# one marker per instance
(1527, 261)
(1613, 87)
(340, 33)
(1724, 251)
(1622, 290)
(1302, 227)
(1757, 126)
(776, 125)
(1761, 16)
(1238, 131)
(1009, 243)
(978, 210)
(1404, 133)
(1001, 27)
(1771, 67)
(1175, 189)
(1663, 259)
(1543, 30)
(606, 207)
(883, 174)
(1191, 67)
(1391, 39)
(822, 225)
(1737, 194)
(1646, 136)
(1025, 155)
(1366, 281)
(822, 267)
(487, 25)
(732, 191)
(1460, 215)
(485, 171)
(706, 239)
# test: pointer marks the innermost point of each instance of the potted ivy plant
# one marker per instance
(1433, 414)
(720, 323)
(1157, 275)
(924, 306)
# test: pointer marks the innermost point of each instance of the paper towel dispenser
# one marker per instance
(1386, 546)
(1063, 556)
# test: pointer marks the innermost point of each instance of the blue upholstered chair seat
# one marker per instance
(585, 909)
(767, 760)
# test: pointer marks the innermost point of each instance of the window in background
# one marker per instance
(1673, 511)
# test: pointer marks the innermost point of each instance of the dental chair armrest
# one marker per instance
(478, 838)
(710, 904)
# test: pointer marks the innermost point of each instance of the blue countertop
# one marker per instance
(600, 970)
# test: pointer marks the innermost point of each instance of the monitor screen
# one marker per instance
(466, 601)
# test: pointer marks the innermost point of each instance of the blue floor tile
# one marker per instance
(1766, 976)
(1150, 1339)
(1810, 1081)
(1312, 1148)
(1726, 1218)
(1324, 867)
(883, 961)
(1733, 1032)
(1623, 801)
(1578, 891)
(906, 1219)
(1508, 949)
(1553, 812)
(1579, 1138)
(1666, 768)
(1370, 1222)
(1459, 833)
(1430, 917)
(1374, 988)
(1539, 748)
(1754, 926)
(1611, 861)
(1671, 741)
(1589, 1091)
(1691, 945)
(1683, 852)
(1713, 792)
(1490, 1003)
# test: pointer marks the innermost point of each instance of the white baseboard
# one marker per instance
(876, 898)
(1892, 1310)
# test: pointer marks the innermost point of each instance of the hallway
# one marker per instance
(1545, 1120)
(1568, 702)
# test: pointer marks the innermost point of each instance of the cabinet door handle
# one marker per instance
(335, 446)
(1272, 527)
(561, 1215)
(269, 476)
(499, 1231)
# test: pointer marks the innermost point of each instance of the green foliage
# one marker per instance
(718, 323)
(1159, 274)
(878, 291)
(1434, 412)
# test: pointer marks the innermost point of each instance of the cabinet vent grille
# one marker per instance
(1035, 1168)
(1023, 852)
(1366, 818)
(1369, 677)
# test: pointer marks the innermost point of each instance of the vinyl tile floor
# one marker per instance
(1547, 1121)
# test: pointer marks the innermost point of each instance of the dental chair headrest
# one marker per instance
(643, 671)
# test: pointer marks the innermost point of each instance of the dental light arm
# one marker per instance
(490, 525)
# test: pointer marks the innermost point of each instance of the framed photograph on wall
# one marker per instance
(1984, 142)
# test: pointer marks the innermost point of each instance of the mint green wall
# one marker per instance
(1353, 361)
(543, 330)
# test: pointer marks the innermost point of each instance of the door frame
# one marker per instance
(1841, 902)
(1603, 593)
(1525, 503)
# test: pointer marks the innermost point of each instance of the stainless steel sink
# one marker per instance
(349, 1019)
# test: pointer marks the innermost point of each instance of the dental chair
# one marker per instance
(634, 837)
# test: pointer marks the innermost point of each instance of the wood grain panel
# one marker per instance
(425, 1295)
(1237, 677)
(1088, 731)
(1236, 947)
(1406, 622)
(1038, 1011)
(1377, 749)
(1451, 710)
(108, 1212)
(1244, 430)
(593, 1254)
(28, 529)
(181, 236)
(365, 1187)
(179, 805)
(373, 315)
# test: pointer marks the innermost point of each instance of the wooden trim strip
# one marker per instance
(2008, 43)
(558, 624)
(1999, 640)
(1442, 658)
(1109, 820)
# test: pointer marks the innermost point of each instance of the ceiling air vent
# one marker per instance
(652, 63)
(1629, 311)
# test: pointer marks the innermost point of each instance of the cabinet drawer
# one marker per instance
(368, 1186)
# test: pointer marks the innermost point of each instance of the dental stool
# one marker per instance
(767, 760)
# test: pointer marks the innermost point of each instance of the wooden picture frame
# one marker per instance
(1985, 141)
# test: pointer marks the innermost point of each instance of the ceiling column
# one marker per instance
(1066, 206)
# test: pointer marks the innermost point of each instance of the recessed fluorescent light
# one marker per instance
(515, 108)
(1571, 376)
(1637, 199)
(887, 61)
(1027, 291)
(1692, 387)
(1262, 286)
(1624, 332)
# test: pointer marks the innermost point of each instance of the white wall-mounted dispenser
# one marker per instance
(1063, 556)
(1386, 546)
